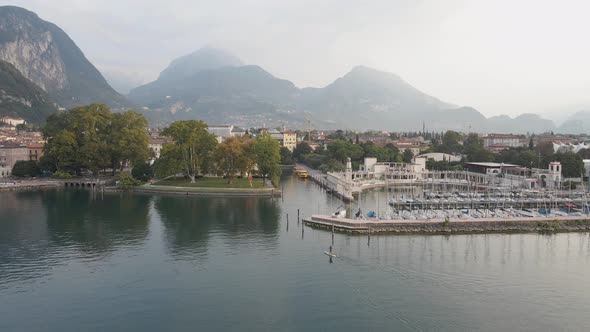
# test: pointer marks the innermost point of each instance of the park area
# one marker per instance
(213, 182)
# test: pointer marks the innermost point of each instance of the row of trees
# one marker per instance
(93, 138)
(194, 151)
(539, 156)
(333, 156)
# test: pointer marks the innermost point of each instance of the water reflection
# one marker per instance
(190, 222)
(95, 222)
(43, 229)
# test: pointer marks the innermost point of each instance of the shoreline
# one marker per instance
(20, 186)
(453, 226)
(207, 191)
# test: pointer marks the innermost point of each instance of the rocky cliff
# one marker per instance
(20, 97)
(47, 56)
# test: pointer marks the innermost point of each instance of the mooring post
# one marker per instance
(332, 234)
(297, 216)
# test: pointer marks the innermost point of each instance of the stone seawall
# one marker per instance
(454, 227)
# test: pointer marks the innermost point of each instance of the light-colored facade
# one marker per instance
(415, 148)
(11, 152)
(290, 140)
(285, 138)
(225, 131)
(155, 145)
(439, 156)
(12, 121)
(502, 140)
(35, 151)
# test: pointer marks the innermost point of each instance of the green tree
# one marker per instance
(128, 141)
(191, 151)
(301, 150)
(286, 156)
(25, 168)
(142, 171)
(407, 156)
(268, 156)
(451, 143)
(544, 154)
(229, 157)
(126, 181)
(572, 165)
(91, 137)
(474, 150)
(63, 149)
(341, 150)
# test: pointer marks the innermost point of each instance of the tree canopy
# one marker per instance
(91, 137)
(268, 157)
(191, 150)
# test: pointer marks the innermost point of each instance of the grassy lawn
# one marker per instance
(213, 183)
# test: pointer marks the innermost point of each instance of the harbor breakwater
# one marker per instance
(484, 225)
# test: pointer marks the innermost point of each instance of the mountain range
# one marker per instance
(20, 97)
(46, 55)
(219, 88)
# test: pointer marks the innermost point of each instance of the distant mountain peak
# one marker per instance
(205, 58)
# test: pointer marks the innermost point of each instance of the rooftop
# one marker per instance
(490, 164)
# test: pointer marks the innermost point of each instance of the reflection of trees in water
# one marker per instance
(189, 221)
(23, 236)
(47, 228)
(97, 223)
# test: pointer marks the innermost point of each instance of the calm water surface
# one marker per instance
(73, 261)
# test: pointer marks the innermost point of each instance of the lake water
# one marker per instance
(73, 261)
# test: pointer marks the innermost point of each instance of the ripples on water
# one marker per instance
(71, 261)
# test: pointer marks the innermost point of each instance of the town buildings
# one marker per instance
(11, 152)
(439, 156)
(12, 121)
(286, 138)
(35, 151)
(225, 131)
(503, 141)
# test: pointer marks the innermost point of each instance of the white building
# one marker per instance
(12, 121)
(502, 140)
(225, 131)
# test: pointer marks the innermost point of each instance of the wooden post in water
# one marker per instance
(297, 216)
(369, 236)
(332, 233)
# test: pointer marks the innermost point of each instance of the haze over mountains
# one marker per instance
(217, 87)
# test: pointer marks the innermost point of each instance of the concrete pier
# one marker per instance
(439, 226)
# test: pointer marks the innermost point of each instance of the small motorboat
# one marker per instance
(340, 213)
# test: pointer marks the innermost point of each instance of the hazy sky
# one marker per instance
(499, 56)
